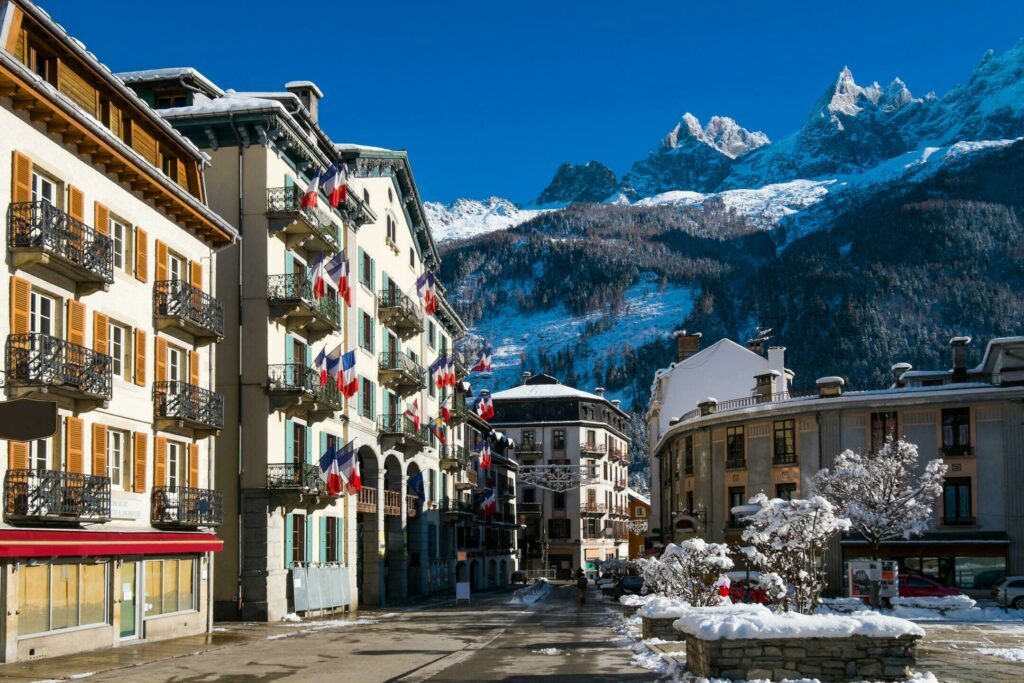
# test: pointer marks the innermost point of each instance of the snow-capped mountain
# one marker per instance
(589, 182)
(469, 217)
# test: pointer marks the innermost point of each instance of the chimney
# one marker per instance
(777, 362)
(756, 345)
(897, 372)
(308, 94)
(764, 385)
(707, 406)
(599, 391)
(616, 403)
(830, 387)
(526, 376)
(959, 346)
(687, 344)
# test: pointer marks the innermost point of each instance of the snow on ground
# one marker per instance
(547, 651)
(531, 593)
(1015, 654)
(470, 217)
(771, 202)
(661, 607)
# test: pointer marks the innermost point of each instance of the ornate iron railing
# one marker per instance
(530, 508)
(593, 447)
(298, 287)
(452, 506)
(55, 496)
(396, 300)
(403, 425)
(287, 201)
(593, 508)
(41, 360)
(735, 463)
(183, 401)
(784, 459)
(402, 362)
(187, 507)
(455, 453)
(296, 377)
(179, 299)
(41, 225)
(294, 476)
(531, 446)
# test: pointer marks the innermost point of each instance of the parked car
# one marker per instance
(519, 577)
(914, 586)
(1010, 591)
(628, 585)
(989, 578)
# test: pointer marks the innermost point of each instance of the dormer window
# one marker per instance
(170, 101)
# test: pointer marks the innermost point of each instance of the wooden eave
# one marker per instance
(138, 177)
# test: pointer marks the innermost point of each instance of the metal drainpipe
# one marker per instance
(241, 253)
(210, 449)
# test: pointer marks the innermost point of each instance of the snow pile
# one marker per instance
(841, 606)
(661, 607)
(532, 593)
(291, 616)
(756, 621)
(945, 603)
(1015, 654)
(973, 615)
(636, 600)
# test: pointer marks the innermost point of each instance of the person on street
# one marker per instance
(581, 586)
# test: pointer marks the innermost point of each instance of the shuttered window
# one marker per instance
(140, 357)
(141, 255)
(74, 442)
(101, 218)
(193, 465)
(76, 322)
(160, 461)
(21, 177)
(139, 442)
(99, 449)
(76, 203)
(21, 295)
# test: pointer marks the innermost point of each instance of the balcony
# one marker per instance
(186, 409)
(293, 305)
(620, 454)
(620, 484)
(177, 304)
(459, 409)
(392, 503)
(39, 233)
(506, 492)
(451, 507)
(531, 447)
(784, 459)
(400, 373)
(38, 363)
(184, 507)
(957, 451)
(460, 366)
(530, 508)
(593, 508)
(453, 458)
(736, 463)
(55, 497)
(367, 500)
(295, 477)
(412, 505)
(310, 229)
(399, 313)
(593, 449)
(399, 432)
(296, 390)
(467, 480)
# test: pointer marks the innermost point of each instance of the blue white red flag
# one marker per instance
(489, 502)
(309, 199)
(337, 272)
(412, 411)
(483, 454)
(483, 361)
(319, 281)
(330, 470)
(332, 366)
(426, 288)
(484, 406)
(349, 465)
(349, 380)
(335, 182)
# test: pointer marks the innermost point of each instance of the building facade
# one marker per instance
(553, 424)
(640, 515)
(111, 253)
(723, 453)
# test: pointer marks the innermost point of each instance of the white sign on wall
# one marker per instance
(132, 508)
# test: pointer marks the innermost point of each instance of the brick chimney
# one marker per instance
(959, 347)
(764, 385)
(897, 372)
(687, 344)
(830, 387)
(308, 94)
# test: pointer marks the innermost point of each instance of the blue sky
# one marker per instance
(489, 97)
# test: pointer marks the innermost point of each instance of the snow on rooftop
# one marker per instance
(230, 102)
(352, 146)
(639, 496)
(530, 391)
(305, 84)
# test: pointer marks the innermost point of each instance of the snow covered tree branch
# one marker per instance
(688, 571)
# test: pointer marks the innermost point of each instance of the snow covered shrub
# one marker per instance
(786, 539)
(688, 571)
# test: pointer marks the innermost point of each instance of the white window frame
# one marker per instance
(175, 458)
(121, 237)
(176, 361)
(40, 454)
(176, 266)
(45, 188)
(120, 351)
(119, 458)
(36, 316)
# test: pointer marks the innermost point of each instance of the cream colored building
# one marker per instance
(110, 254)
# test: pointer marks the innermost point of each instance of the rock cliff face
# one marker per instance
(589, 182)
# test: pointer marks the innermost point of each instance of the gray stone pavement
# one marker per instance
(970, 653)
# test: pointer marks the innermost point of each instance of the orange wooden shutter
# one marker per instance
(21, 176)
(193, 465)
(17, 455)
(161, 261)
(139, 451)
(100, 332)
(102, 218)
(15, 31)
(21, 296)
(140, 357)
(76, 203)
(193, 368)
(99, 449)
(74, 444)
(195, 274)
(181, 179)
(160, 461)
(141, 255)
(161, 360)
(76, 322)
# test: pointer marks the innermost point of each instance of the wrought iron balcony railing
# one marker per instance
(189, 307)
(454, 456)
(399, 312)
(453, 506)
(399, 372)
(401, 425)
(593, 448)
(286, 202)
(784, 459)
(529, 508)
(87, 254)
(296, 378)
(957, 451)
(297, 289)
(735, 463)
(593, 508)
(187, 403)
(55, 496)
(184, 506)
(531, 446)
(41, 360)
(294, 476)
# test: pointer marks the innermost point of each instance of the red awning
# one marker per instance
(65, 543)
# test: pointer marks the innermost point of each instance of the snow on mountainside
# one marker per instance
(469, 217)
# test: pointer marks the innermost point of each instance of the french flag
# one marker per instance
(331, 366)
(335, 182)
(309, 199)
(319, 282)
(446, 413)
(426, 289)
(320, 364)
(349, 381)
(337, 271)
(489, 503)
(450, 372)
(330, 470)
(484, 406)
(483, 363)
(436, 371)
(348, 463)
(413, 413)
(483, 453)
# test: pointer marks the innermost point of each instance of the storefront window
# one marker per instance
(170, 586)
(60, 596)
(34, 600)
(64, 596)
(94, 593)
(979, 572)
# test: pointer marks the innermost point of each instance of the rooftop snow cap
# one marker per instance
(830, 387)
(599, 391)
(308, 93)
(897, 372)
(526, 376)
(687, 344)
(959, 346)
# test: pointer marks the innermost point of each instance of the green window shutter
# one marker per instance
(309, 538)
(362, 266)
(288, 180)
(309, 356)
(323, 540)
(289, 539)
(309, 444)
(384, 405)
(323, 444)
(361, 395)
(289, 264)
(362, 319)
(289, 441)
(289, 350)
(373, 275)
(339, 544)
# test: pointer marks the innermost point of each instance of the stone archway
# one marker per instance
(492, 573)
(369, 564)
(503, 574)
(396, 565)
(418, 572)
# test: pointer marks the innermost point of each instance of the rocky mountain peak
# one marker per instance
(721, 133)
(589, 182)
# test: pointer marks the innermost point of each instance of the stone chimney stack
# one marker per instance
(687, 344)
(616, 403)
(526, 376)
(764, 385)
(959, 346)
(897, 372)
(308, 94)
(830, 387)
(777, 362)
(599, 391)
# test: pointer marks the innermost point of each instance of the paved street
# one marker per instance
(553, 640)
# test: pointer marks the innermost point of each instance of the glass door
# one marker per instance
(129, 602)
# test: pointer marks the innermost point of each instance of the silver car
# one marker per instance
(1010, 591)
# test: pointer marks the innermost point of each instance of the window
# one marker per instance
(299, 441)
(44, 189)
(331, 540)
(883, 426)
(170, 586)
(366, 195)
(558, 528)
(639, 512)
(688, 455)
(391, 197)
(431, 331)
(736, 498)
(785, 491)
(367, 399)
(120, 235)
(298, 538)
(119, 461)
(366, 338)
(169, 101)
(529, 495)
(736, 455)
(41, 314)
(412, 257)
(558, 500)
(689, 502)
(61, 596)
(558, 440)
(366, 271)
(956, 431)
(785, 442)
(176, 464)
(956, 501)
(120, 351)
(39, 455)
(392, 228)
(175, 364)
(175, 267)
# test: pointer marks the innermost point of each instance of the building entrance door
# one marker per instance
(129, 600)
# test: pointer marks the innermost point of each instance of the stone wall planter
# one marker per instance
(659, 628)
(629, 610)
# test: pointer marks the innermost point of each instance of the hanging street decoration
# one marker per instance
(557, 478)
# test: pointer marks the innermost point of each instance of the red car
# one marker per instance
(914, 586)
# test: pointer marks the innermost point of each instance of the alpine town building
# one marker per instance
(721, 453)
(108, 525)
(346, 369)
(582, 435)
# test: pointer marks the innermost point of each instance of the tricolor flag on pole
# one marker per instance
(320, 365)
(349, 380)
(309, 199)
(412, 411)
(330, 470)
(348, 463)
(332, 365)
(426, 288)
(435, 370)
(484, 406)
(449, 377)
(446, 413)
(337, 271)
(483, 361)
(335, 182)
(489, 502)
(319, 282)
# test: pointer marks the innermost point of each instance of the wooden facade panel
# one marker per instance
(144, 144)
(76, 88)
(139, 454)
